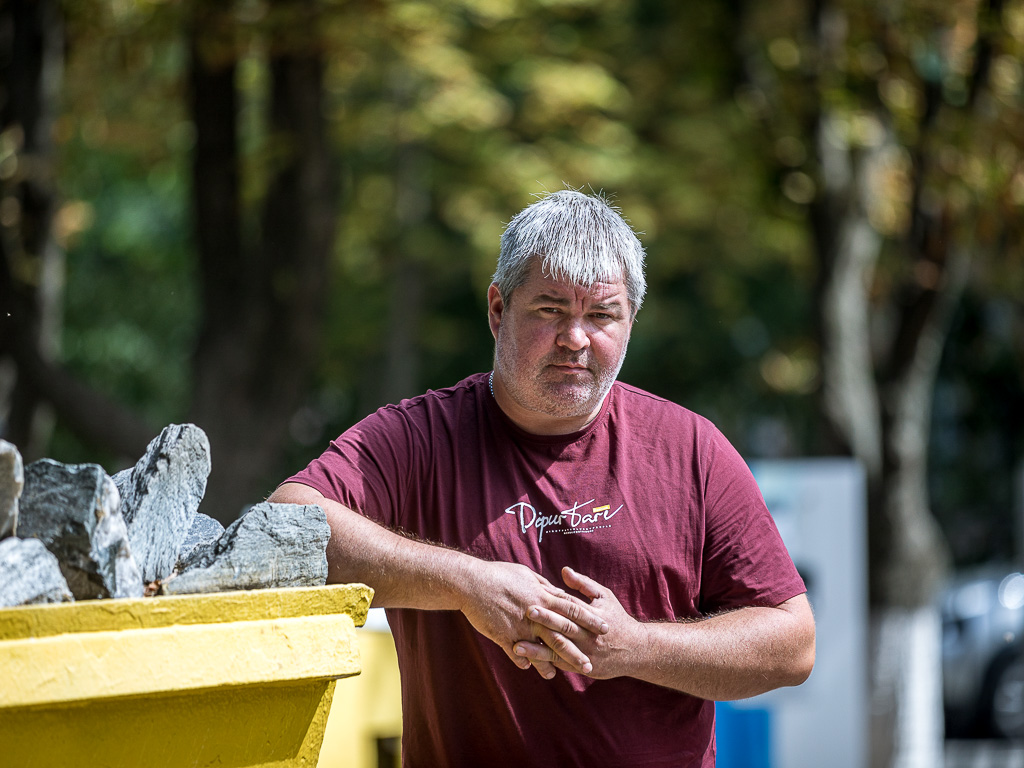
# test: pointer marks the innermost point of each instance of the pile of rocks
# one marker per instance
(71, 532)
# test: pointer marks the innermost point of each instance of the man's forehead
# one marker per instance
(542, 282)
(565, 292)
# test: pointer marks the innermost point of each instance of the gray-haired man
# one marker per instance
(547, 474)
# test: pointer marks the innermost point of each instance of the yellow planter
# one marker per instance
(226, 679)
(365, 726)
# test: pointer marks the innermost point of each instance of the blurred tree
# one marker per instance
(32, 383)
(31, 64)
(759, 148)
(448, 119)
(906, 148)
(262, 296)
(498, 102)
(975, 461)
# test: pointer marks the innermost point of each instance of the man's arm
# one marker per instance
(408, 573)
(733, 655)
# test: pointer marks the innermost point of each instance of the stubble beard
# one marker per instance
(544, 390)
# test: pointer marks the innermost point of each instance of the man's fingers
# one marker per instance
(549, 586)
(538, 655)
(554, 621)
(584, 616)
(546, 659)
(583, 584)
(558, 647)
(520, 660)
(544, 669)
(568, 615)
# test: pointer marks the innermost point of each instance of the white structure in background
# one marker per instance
(819, 506)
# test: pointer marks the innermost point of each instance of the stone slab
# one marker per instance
(30, 574)
(12, 480)
(74, 510)
(160, 496)
(271, 545)
(205, 531)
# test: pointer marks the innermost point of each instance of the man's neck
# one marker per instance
(538, 422)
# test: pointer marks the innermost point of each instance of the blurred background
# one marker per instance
(270, 217)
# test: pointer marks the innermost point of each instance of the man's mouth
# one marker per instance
(570, 367)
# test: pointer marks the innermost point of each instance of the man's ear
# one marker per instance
(495, 309)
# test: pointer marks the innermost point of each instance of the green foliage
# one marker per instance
(471, 115)
(123, 137)
(934, 91)
(447, 118)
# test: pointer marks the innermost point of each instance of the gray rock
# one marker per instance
(12, 479)
(74, 511)
(272, 545)
(160, 496)
(204, 532)
(29, 574)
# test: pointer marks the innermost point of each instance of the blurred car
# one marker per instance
(983, 653)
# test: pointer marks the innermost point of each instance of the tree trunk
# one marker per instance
(906, 692)
(397, 374)
(906, 551)
(32, 269)
(877, 383)
(34, 389)
(886, 428)
(262, 302)
(406, 300)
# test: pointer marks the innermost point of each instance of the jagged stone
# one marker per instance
(29, 573)
(160, 496)
(12, 479)
(74, 511)
(204, 532)
(271, 545)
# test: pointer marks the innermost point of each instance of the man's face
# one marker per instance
(559, 348)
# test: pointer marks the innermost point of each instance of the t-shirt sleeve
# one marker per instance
(745, 561)
(366, 468)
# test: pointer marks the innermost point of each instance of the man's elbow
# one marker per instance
(801, 654)
(803, 664)
(295, 493)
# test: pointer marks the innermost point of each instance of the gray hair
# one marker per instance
(579, 238)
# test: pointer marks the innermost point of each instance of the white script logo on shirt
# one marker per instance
(581, 517)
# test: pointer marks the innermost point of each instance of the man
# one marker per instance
(545, 515)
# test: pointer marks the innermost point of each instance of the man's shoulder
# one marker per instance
(653, 418)
(470, 387)
(631, 397)
(628, 390)
(435, 415)
(447, 404)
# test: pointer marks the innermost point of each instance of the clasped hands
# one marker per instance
(538, 624)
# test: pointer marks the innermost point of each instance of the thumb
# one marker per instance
(583, 584)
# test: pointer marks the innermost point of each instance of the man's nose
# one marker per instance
(573, 334)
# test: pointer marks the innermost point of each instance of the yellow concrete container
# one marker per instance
(226, 679)
(365, 726)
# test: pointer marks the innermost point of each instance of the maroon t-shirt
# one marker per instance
(649, 499)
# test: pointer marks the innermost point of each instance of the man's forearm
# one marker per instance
(409, 573)
(404, 572)
(731, 656)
